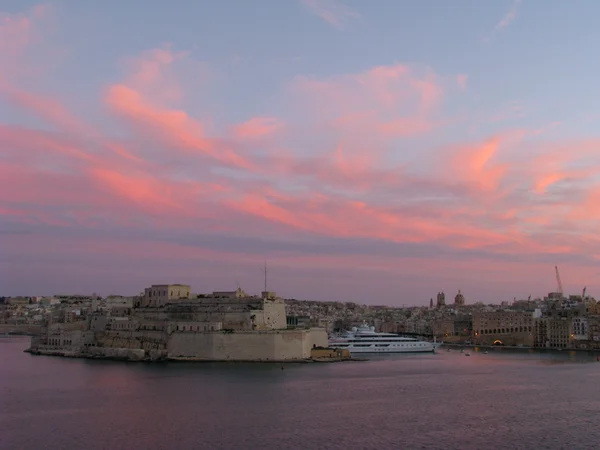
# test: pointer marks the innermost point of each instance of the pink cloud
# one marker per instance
(175, 126)
(331, 11)
(17, 31)
(547, 180)
(462, 80)
(510, 15)
(49, 109)
(577, 162)
(153, 73)
(386, 101)
(355, 172)
(546, 128)
(257, 127)
(477, 165)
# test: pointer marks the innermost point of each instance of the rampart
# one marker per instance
(20, 329)
(272, 345)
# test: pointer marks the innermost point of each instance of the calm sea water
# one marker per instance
(503, 400)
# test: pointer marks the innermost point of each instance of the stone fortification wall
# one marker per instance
(69, 326)
(271, 317)
(20, 329)
(128, 354)
(232, 318)
(144, 340)
(273, 345)
(233, 313)
(195, 326)
(281, 345)
(230, 301)
(98, 323)
(125, 354)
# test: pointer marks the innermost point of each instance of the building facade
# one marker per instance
(159, 295)
(170, 323)
(503, 327)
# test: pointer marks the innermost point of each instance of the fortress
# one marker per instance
(168, 322)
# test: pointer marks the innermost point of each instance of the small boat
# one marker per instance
(467, 354)
(462, 350)
(485, 353)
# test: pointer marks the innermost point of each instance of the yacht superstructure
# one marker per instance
(364, 339)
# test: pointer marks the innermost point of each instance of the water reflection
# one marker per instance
(503, 399)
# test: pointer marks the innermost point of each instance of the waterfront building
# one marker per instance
(540, 332)
(579, 327)
(564, 328)
(443, 329)
(559, 332)
(454, 328)
(167, 322)
(503, 327)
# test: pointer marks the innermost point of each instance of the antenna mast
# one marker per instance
(265, 276)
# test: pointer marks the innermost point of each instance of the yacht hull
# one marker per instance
(418, 347)
(364, 339)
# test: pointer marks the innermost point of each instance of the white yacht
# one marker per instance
(364, 339)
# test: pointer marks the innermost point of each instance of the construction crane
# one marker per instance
(560, 287)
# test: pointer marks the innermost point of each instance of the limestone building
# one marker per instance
(459, 300)
(503, 327)
(159, 295)
(168, 322)
(441, 300)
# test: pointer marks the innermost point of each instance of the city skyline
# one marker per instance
(374, 154)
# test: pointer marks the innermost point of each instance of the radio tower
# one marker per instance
(265, 277)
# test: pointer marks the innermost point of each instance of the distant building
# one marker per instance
(299, 321)
(463, 326)
(161, 294)
(540, 332)
(579, 328)
(455, 329)
(443, 328)
(441, 300)
(170, 323)
(21, 301)
(559, 332)
(503, 327)
(459, 300)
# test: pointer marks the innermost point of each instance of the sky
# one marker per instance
(374, 152)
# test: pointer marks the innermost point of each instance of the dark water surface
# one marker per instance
(503, 400)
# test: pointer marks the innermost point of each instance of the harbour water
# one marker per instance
(502, 400)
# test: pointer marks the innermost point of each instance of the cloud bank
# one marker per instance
(359, 190)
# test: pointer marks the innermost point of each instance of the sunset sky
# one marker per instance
(376, 152)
